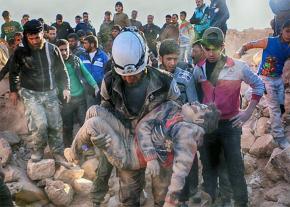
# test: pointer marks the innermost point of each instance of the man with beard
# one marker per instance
(75, 45)
(41, 70)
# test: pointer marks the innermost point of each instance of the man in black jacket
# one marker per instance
(40, 68)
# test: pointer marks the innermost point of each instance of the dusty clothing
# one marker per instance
(104, 35)
(44, 121)
(38, 70)
(9, 29)
(136, 23)
(121, 19)
(171, 31)
(62, 30)
(151, 32)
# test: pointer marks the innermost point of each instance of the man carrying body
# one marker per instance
(41, 69)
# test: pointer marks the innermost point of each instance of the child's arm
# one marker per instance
(262, 43)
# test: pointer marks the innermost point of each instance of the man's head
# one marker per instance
(174, 18)
(213, 43)
(199, 3)
(25, 18)
(119, 7)
(197, 52)
(168, 19)
(107, 16)
(17, 38)
(91, 43)
(51, 34)
(182, 15)
(286, 31)
(134, 14)
(73, 40)
(129, 53)
(6, 16)
(33, 34)
(86, 17)
(150, 19)
(168, 54)
(116, 29)
(82, 35)
(59, 19)
(63, 46)
(78, 19)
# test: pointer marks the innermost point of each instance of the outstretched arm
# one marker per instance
(262, 43)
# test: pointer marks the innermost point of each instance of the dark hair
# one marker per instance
(108, 13)
(59, 17)
(18, 34)
(81, 33)
(183, 13)
(61, 42)
(78, 16)
(286, 24)
(168, 16)
(92, 40)
(73, 35)
(118, 3)
(168, 46)
(85, 13)
(41, 20)
(175, 15)
(25, 15)
(116, 27)
(51, 28)
(5, 14)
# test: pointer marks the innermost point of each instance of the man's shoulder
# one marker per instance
(160, 74)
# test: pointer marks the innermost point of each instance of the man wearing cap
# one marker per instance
(40, 68)
(63, 29)
(220, 79)
(10, 27)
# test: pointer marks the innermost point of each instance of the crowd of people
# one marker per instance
(148, 98)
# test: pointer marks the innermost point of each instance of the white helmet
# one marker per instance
(129, 52)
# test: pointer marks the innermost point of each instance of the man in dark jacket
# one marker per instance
(219, 14)
(63, 29)
(40, 68)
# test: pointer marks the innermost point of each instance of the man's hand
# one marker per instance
(241, 118)
(13, 96)
(153, 167)
(66, 95)
(70, 156)
(102, 141)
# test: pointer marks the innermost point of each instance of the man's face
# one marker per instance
(134, 15)
(150, 19)
(196, 53)
(132, 79)
(24, 20)
(58, 21)
(174, 19)
(212, 54)
(85, 17)
(199, 3)
(286, 34)
(89, 47)
(35, 40)
(115, 33)
(182, 17)
(72, 43)
(169, 62)
(64, 50)
(119, 8)
(107, 18)
(77, 20)
(7, 19)
(52, 35)
(17, 40)
(168, 20)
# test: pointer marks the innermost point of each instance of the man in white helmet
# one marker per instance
(130, 91)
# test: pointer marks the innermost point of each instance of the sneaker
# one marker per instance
(37, 155)
(282, 142)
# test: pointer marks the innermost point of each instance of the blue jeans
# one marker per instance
(226, 139)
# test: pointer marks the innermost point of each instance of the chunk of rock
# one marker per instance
(40, 170)
(68, 175)
(281, 160)
(59, 193)
(280, 194)
(83, 186)
(5, 151)
(263, 146)
(12, 174)
(250, 164)
(262, 126)
(10, 137)
(247, 139)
